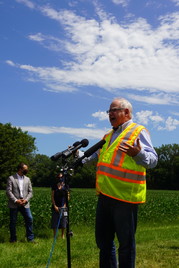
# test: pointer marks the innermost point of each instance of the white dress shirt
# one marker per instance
(21, 184)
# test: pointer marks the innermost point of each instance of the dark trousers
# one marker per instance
(26, 213)
(120, 218)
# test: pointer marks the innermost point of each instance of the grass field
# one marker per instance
(157, 234)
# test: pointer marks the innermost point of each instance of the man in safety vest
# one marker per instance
(121, 184)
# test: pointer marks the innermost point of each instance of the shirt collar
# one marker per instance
(123, 126)
(20, 177)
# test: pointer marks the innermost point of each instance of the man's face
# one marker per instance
(24, 170)
(117, 114)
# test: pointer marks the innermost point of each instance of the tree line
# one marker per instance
(18, 146)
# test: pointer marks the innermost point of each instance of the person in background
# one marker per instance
(58, 197)
(19, 193)
(121, 185)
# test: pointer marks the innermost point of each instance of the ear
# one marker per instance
(126, 111)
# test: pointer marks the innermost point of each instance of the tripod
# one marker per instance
(68, 232)
(64, 212)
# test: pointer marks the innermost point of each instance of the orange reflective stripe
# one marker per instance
(123, 154)
(122, 158)
(143, 173)
(123, 138)
(118, 157)
(122, 175)
(124, 200)
(120, 178)
(135, 134)
(105, 138)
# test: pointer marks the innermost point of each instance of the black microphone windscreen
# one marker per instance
(94, 148)
(84, 143)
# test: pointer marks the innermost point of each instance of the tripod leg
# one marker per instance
(68, 237)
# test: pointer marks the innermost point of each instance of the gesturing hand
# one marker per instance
(129, 149)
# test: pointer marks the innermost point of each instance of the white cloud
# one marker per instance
(48, 41)
(146, 117)
(77, 132)
(113, 56)
(11, 63)
(170, 124)
(121, 2)
(175, 113)
(37, 37)
(27, 3)
(158, 122)
(49, 76)
(176, 2)
(143, 117)
(100, 115)
(90, 125)
(161, 98)
(156, 118)
(53, 87)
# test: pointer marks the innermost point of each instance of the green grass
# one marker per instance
(157, 235)
(157, 247)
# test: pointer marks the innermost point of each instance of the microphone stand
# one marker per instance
(68, 232)
(65, 168)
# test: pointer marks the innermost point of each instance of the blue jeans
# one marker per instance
(26, 213)
(120, 218)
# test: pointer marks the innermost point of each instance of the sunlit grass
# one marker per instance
(157, 247)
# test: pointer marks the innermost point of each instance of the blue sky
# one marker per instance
(62, 63)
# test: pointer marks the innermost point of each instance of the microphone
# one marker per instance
(94, 148)
(66, 153)
(89, 152)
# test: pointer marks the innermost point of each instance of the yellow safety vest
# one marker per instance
(118, 176)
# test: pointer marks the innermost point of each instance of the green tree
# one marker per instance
(165, 175)
(85, 176)
(44, 171)
(15, 146)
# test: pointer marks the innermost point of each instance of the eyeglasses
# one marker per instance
(113, 110)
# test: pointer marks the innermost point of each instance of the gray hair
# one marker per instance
(125, 104)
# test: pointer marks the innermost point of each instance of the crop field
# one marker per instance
(161, 207)
(157, 234)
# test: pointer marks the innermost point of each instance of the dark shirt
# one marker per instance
(59, 195)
